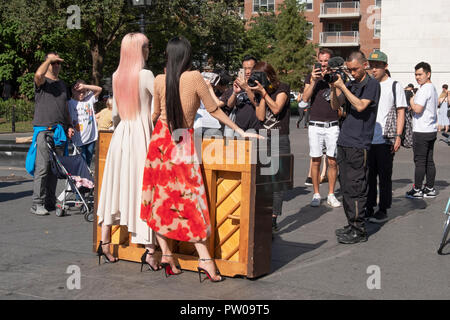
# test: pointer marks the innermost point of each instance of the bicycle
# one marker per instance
(446, 228)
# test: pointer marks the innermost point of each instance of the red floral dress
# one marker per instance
(174, 202)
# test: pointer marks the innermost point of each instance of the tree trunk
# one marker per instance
(98, 55)
(98, 52)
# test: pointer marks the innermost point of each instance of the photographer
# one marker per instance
(323, 127)
(237, 101)
(361, 97)
(217, 82)
(273, 109)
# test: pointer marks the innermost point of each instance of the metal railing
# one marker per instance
(348, 8)
(342, 38)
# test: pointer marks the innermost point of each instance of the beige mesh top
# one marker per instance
(193, 88)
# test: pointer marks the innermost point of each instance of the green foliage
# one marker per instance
(260, 37)
(293, 54)
(31, 28)
(282, 41)
(214, 29)
(24, 110)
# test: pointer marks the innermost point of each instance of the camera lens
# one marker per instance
(326, 94)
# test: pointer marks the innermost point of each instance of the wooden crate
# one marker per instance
(240, 204)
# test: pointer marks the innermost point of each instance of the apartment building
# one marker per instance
(343, 26)
(415, 31)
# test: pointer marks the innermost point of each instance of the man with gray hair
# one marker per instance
(361, 98)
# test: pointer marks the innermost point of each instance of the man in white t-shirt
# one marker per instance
(81, 108)
(424, 107)
(382, 150)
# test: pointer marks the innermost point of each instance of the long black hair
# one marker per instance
(179, 59)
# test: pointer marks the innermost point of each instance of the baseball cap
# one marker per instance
(377, 55)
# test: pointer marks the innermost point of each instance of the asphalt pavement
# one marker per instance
(40, 256)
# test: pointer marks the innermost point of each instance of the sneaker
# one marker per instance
(308, 181)
(429, 193)
(38, 210)
(274, 224)
(352, 237)
(379, 217)
(315, 202)
(332, 201)
(414, 193)
(344, 230)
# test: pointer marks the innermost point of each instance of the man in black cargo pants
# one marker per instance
(361, 98)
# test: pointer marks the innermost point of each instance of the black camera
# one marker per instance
(242, 99)
(333, 76)
(259, 76)
(408, 95)
(336, 64)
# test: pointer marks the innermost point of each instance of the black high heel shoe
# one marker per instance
(100, 253)
(207, 273)
(168, 269)
(144, 261)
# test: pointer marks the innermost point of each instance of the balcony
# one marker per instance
(337, 10)
(339, 39)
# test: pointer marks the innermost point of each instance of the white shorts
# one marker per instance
(320, 138)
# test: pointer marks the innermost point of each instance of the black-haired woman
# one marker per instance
(174, 202)
(274, 110)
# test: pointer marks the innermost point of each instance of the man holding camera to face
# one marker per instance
(323, 127)
(361, 97)
(238, 100)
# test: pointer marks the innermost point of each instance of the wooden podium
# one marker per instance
(240, 204)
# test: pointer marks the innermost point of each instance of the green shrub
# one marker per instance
(24, 110)
(294, 107)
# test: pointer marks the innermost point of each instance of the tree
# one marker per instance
(292, 55)
(31, 28)
(260, 37)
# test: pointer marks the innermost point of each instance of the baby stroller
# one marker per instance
(79, 181)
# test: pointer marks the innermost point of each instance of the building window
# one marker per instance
(355, 26)
(334, 27)
(377, 29)
(310, 33)
(378, 3)
(309, 4)
(263, 5)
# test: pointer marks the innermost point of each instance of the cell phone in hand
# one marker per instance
(241, 74)
(317, 65)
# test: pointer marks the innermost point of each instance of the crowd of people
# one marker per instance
(357, 120)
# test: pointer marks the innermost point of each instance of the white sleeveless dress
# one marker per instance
(120, 196)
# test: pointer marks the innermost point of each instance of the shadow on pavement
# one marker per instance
(306, 215)
(284, 252)
(297, 191)
(8, 196)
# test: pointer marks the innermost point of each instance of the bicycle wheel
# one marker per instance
(444, 237)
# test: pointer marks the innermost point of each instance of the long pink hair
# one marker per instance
(126, 78)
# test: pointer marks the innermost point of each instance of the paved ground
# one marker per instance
(307, 262)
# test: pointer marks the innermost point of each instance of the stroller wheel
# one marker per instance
(60, 212)
(89, 216)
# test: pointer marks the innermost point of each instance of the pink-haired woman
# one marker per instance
(120, 196)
